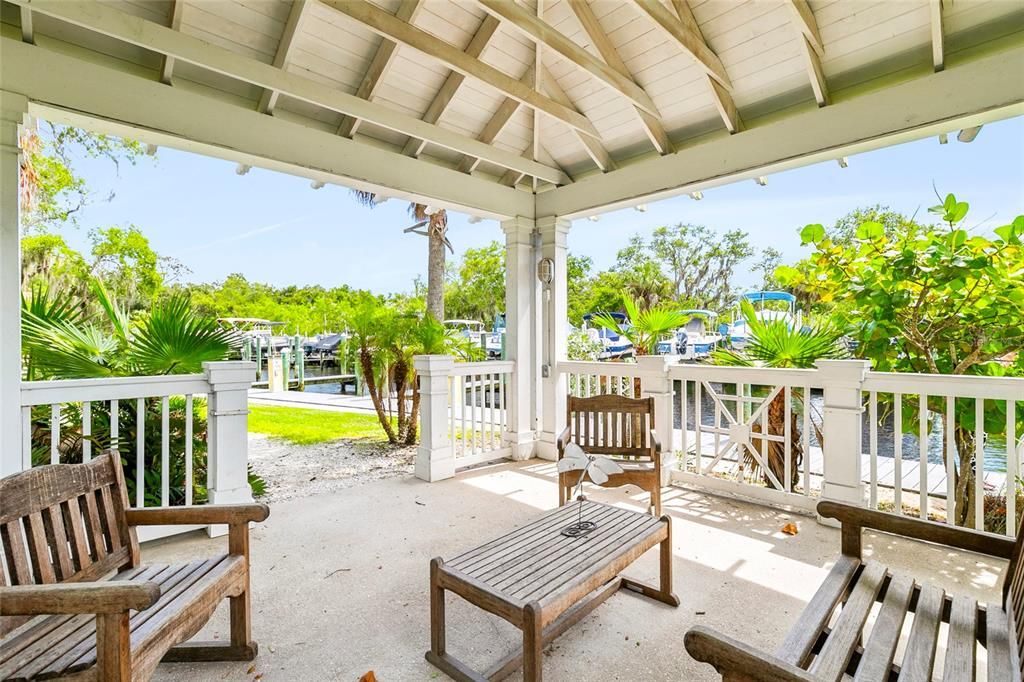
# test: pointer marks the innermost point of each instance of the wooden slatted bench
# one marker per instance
(823, 646)
(543, 582)
(75, 603)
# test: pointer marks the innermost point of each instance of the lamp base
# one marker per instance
(580, 529)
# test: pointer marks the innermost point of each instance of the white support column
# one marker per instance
(843, 413)
(435, 459)
(520, 323)
(13, 108)
(554, 234)
(655, 383)
(227, 437)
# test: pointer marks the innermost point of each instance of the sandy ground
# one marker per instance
(293, 471)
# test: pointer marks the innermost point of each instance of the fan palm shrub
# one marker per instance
(643, 326)
(774, 343)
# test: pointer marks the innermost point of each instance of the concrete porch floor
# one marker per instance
(340, 580)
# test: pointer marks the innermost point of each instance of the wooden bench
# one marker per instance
(543, 582)
(824, 647)
(621, 429)
(75, 603)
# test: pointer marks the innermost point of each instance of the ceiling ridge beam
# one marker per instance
(811, 46)
(541, 32)
(690, 40)
(595, 150)
(651, 124)
(134, 30)
(379, 66)
(414, 147)
(174, 22)
(938, 47)
(382, 23)
(268, 100)
(683, 24)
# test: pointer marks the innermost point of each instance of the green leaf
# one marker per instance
(787, 275)
(870, 230)
(959, 212)
(812, 234)
(957, 238)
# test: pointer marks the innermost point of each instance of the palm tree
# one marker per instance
(643, 327)
(774, 343)
(435, 222)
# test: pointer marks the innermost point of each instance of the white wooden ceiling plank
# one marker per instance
(247, 17)
(317, 62)
(904, 31)
(260, 55)
(276, 10)
(289, 37)
(226, 33)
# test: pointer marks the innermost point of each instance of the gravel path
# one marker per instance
(300, 470)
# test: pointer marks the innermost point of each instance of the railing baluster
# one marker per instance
(1011, 467)
(504, 405)
(897, 452)
(115, 425)
(165, 452)
(764, 435)
(140, 445)
(787, 441)
(718, 424)
(462, 411)
(922, 450)
(979, 463)
(474, 383)
(873, 448)
(55, 433)
(807, 440)
(682, 423)
(452, 433)
(86, 430)
(950, 454)
(188, 449)
(26, 436)
(698, 446)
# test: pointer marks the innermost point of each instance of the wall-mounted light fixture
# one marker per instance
(546, 271)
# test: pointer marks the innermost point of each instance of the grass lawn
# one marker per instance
(308, 427)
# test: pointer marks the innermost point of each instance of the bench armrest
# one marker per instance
(732, 656)
(198, 514)
(854, 519)
(84, 597)
(563, 440)
(655, 443)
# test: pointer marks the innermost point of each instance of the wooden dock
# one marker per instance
(310, 381)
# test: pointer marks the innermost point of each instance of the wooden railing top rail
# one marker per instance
(112, 388)
(461, 369)
(955, 385)
(762, 376)
(613, 369)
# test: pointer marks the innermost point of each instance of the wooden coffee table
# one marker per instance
(543, 582)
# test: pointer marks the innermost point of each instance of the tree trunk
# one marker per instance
(401, 372)
(414, 413)
(966, 500)
(372, 387)
(777, 454)
(435, 273)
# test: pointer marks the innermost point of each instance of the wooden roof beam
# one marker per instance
(388, 25)
(108, 21)
(414, 147)
(811, 46)
(938, 47)
(539, 31)
(651, 124)
(595, 150)
(27, 31)
(174, 21)
(689, 39)
(684, 29)
(379, 66)
(506, 110)
(268, 100)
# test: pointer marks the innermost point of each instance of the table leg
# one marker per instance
(437, 643)
(665, 572)
(533, 643)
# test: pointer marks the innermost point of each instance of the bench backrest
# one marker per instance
(1013, 597)
(65, 522)
(612, 425)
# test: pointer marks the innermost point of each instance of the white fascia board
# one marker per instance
(71, 90)
(982, 90)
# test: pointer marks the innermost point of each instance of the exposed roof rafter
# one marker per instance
(382, 23)
(106, 20)
(451, 85)
(651, 124)
(595, 150)
(684, 29)
(688, 38)
(268, 100)
(938, 47)
(27, 31)
(539, 31)
(174, 21)
(808, 25)
(506, 110)
(379, 66)
(811, 46)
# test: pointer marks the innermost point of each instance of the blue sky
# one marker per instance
(275, 228)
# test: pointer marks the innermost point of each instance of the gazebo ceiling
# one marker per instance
(534, 94)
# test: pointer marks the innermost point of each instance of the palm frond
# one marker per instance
(60, 349)
(363, 198)
(174, 339)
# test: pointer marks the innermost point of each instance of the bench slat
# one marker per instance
(876, 661)
(57, 538)
(919, 659)
(12, 536)
(799, 642)
(39, 552)
(960, 647)
(835, 655)
(997, 642)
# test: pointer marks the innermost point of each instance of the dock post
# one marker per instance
(259, 360)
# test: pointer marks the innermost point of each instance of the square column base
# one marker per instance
(434, 465)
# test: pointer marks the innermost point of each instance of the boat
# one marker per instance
(260, 331)
(739, 335)
(471, 329)
(694, 340)
(494, 341)
(615, 346)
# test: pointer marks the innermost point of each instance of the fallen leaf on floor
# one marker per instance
(337, 571)
(790, 529)
(251, 670)
(700, 613)
(368, 677)
(422, 504)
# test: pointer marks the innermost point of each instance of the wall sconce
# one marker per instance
(546, 271)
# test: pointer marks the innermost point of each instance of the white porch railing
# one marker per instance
(156, 424)
(759, 433)
(464, 414)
